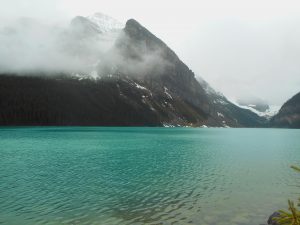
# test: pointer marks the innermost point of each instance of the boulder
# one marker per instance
(272, 220)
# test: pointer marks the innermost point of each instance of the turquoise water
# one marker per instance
(145, 175)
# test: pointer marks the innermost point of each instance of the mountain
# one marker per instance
(95, 24)
(105, 23)
(255, 103)
(139, 81)
(258, 106)
(289, 114)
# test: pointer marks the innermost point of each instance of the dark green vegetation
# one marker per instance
(108, 102)
(289, 114)
(67, 101)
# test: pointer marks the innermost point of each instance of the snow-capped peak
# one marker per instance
(267, 114)
(105, 23)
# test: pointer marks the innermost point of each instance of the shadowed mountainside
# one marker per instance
(141, 82)
(289, 114)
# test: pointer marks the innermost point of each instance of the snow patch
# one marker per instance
(220, 114)
(105, 23)
(222, 102)
(94, 75)
(167, 93)
(140, 86)
(168, 125)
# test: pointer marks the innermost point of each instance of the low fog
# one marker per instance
(245, 49)
(28, 46)
(81, 47)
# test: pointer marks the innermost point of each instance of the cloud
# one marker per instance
(28, 46)
(134, 58)
(248, 59)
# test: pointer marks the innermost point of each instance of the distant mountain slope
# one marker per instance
(262, 111)
(140, 81)
(253, 102)
(289, 114)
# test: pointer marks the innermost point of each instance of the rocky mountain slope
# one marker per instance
(289, 114)
(139, 81)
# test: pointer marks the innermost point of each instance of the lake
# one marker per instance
(92, 175)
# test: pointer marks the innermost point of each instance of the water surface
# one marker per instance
(145, 175)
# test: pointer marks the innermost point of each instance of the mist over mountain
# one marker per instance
(256, 103)
(29, 46)
(94, 73)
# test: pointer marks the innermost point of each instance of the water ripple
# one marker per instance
(144, 175)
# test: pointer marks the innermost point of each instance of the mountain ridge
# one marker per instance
(144, 80)
(289, 114)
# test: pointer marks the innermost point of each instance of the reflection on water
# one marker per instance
(145, 175)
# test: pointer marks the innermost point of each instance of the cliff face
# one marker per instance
(140, 81)
(289, 114)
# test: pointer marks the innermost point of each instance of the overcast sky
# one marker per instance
(242, 48)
